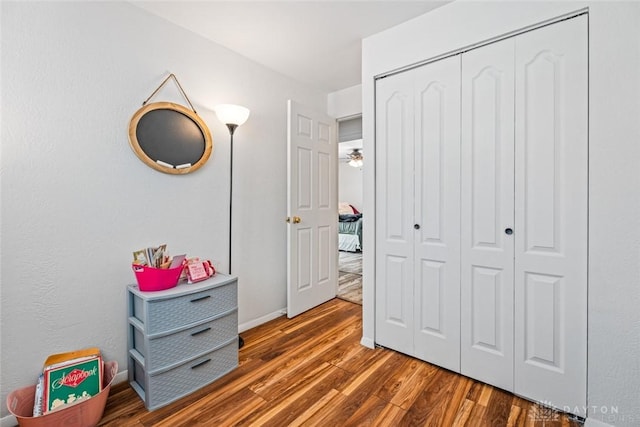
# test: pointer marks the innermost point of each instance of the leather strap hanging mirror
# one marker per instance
(169, 137)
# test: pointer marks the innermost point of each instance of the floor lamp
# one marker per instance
(232, 116)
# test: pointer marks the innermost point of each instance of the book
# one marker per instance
(71, 381)
(140, 257)
(177, 261)
(38, 402)
(68, 356)
(151, 257)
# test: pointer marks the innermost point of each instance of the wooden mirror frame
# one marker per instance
(153, 163)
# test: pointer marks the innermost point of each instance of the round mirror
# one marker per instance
(170, 138)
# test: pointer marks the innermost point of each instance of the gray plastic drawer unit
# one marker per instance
(181, 339)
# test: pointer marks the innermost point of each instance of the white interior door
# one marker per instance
(312, 209)
(487, 214)
(394, 212)
(418, 212)
(551, 208)
(437, 212)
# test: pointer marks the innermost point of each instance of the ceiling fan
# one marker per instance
(355, 158)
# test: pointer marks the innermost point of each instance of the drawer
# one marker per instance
(172, 349)
(168, 314)
(182, 380)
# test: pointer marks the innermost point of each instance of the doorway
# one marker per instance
(350, 195)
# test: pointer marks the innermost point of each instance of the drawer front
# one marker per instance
(189, 343)
(136, 307)
(184, 379)
(165, 315)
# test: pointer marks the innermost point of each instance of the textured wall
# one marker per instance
(76, 200)
(614, 175)
(614, 215)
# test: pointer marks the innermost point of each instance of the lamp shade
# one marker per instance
(231, 114)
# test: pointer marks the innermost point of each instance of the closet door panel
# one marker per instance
(437, 212)
(487, 211)
(394, 212)
(551, 214)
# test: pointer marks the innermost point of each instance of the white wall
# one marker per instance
(76, 201)
(350, 188)
(345, 103)
(614, 175)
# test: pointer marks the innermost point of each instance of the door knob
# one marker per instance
(296, 220)
(508, 231)
(416, 226)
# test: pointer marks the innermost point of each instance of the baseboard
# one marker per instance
(590, 422)
(368, 342)
(260, 320)
(121, 377)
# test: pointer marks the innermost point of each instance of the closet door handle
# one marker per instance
(508, 231)
(416, 226)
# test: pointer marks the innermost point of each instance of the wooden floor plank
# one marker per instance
(319, 418)
(362, 386)
(303, 418)
(367, 413)
(432, 404)
(499, 407)
(312, 371)
(391, 415)
(463, 413)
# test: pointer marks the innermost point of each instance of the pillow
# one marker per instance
(344, 208)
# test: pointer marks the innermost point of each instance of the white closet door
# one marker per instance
(551, 214)
(487, 214)
(394, 212)
(437, 213)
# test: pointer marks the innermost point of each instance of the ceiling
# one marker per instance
(315, 42)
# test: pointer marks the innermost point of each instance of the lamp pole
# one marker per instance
(232, 116)
(232, 128)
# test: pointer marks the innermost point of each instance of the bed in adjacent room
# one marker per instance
(349, 228)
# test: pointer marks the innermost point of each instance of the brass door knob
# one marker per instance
(296, 220)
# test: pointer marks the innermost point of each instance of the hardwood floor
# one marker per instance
(312, 371)
(350, 276)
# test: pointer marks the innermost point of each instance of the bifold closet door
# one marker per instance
(418, 212)
(481, 220)
(551, 205)
(487, 220)
(394, 212)
(437, 213)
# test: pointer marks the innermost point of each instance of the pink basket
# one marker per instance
(156, 279)
(84, 414)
